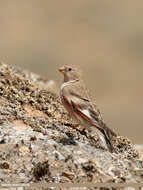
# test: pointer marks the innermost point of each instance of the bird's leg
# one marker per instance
(74, 125)
(84, 132)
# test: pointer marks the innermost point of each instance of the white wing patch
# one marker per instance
(86, 112)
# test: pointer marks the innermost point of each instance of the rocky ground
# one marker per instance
(39, 142)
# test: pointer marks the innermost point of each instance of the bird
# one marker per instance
(79, 103)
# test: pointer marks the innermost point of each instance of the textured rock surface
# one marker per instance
(39, 143)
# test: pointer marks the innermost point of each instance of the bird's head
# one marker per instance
(69, 72)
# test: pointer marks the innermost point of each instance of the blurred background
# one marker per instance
(102, 38)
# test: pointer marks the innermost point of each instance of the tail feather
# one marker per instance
(108, 134)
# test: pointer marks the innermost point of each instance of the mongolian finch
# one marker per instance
(79, 104)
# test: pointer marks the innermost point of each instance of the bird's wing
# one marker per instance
(86, 109)
(82, 103)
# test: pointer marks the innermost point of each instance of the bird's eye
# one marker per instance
(70, 69)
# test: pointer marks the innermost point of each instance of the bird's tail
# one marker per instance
(108, 135)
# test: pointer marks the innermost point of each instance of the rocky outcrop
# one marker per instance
(39, 142)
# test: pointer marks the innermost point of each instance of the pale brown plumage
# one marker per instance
(78, 102)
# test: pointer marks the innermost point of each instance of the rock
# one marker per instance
(39, 143)
(4, 165)
(24, 150)
(41, 169)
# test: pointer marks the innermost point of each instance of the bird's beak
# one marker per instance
(61, 69)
